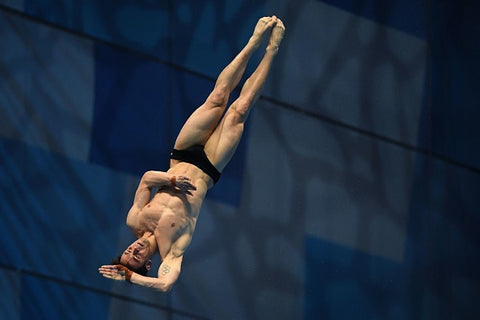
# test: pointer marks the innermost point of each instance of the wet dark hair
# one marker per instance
(142, 270)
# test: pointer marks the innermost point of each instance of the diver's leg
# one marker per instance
(222, 144)
(203, 121)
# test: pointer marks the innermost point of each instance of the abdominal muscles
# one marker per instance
(168, 218)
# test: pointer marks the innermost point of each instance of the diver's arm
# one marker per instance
(167, 275)
(158, 179)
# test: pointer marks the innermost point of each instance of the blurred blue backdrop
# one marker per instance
(352, 195)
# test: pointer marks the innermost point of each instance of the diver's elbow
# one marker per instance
(164, 287)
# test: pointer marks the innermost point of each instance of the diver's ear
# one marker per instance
(148, 265)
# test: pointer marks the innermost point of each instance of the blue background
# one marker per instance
(352, 194)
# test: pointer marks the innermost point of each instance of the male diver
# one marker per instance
(207, 141)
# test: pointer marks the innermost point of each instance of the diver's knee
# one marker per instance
(218, 97)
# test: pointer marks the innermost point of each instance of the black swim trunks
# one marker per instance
(196, 155)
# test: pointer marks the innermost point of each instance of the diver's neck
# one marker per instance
(150, 237)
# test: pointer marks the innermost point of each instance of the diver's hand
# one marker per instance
(184, 183)
(116, 272)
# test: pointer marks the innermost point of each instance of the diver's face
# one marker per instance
(137, 254)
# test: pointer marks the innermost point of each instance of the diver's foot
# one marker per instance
(264, 25)
(276, 35)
